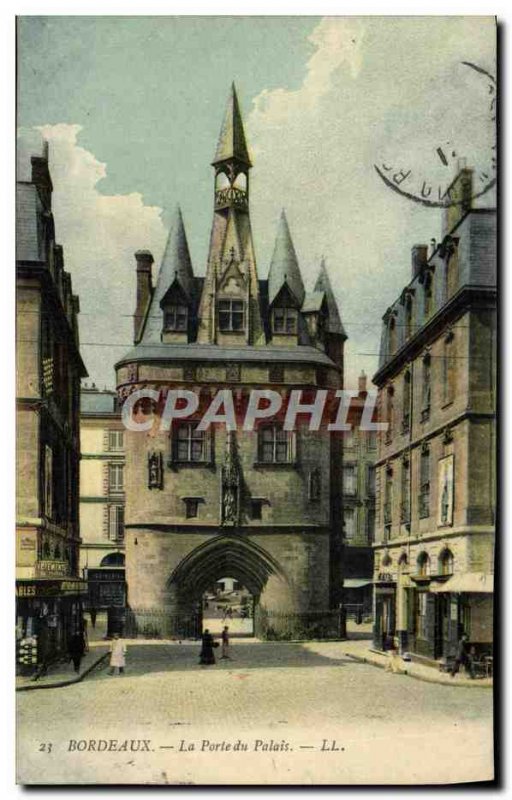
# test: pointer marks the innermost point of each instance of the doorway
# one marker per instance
(228, 602)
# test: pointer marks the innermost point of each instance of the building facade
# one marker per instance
(264, 506)
(102, 499)
(49, 369)
(359, 455)
(436, 469)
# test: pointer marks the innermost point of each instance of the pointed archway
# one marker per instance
(235, 556)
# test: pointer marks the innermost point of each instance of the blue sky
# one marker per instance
(132, 108)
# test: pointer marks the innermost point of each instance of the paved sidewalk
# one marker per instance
(63, 674)
(361, 650)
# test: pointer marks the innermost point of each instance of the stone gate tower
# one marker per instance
(261, 506)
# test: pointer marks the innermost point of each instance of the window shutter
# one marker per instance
(171, 446)
(293, 447)
(209, 445)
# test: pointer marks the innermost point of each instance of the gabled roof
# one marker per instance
(323, 284)
(176, 267)
(232, 144)
(284, 266)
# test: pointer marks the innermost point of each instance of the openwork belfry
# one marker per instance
(262, 506)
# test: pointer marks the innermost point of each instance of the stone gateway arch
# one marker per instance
(262, 506)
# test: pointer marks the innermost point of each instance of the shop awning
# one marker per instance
(356, 583)
(469, 582)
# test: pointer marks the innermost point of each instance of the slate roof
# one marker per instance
(284, 266)
(323, 284)
(313, 302)
(212, 352)
(232, 142)
(176, 266)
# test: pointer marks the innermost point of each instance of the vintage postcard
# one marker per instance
(256, 293)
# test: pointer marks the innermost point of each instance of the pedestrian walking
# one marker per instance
(225, 643)
(464, 657)
(85, 635)
(92, 612)
(76, 649)
(207, 656)
(117, 655)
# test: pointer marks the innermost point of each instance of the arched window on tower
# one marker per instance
(445, 566)
(241, 182)
(423, 564)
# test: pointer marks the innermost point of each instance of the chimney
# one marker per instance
(418, 258)
(144, 261)
(361, 383)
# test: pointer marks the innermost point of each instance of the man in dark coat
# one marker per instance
(206, 655)
(76, 649)
(463, 657)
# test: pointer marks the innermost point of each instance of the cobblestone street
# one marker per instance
(281, 701)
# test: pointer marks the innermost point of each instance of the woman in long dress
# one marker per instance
(207, 656)
(117, 655)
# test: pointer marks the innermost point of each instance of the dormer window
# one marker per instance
(231, 315)
(285, 320)
(176, 318)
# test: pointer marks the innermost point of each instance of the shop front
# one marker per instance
(48, 612)
(107, 592)
(384, 628)
(464, 604)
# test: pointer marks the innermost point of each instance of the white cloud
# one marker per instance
(100, 234)
(373, 86)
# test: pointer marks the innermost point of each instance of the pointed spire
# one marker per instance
(323, 284)
(175, 266)
(232, 144)
(176, 263)
(284, 266)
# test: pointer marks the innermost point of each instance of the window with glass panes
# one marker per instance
(275, 445)
(189, 443)
(115, 440)
(349, 519)
(176, 318)
(425, 484)
(349, 479)
(116, 477)
(405, 505)
(285, 320)
(448, 370)
(426, 383)
(116, 524)
(231, 315)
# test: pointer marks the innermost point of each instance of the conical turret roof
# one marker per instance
(284, 266)
(176, 266)
(323, 284)
(232, 144)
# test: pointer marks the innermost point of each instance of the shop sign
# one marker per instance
(50, 568)
(50, 588)
(109, 575)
